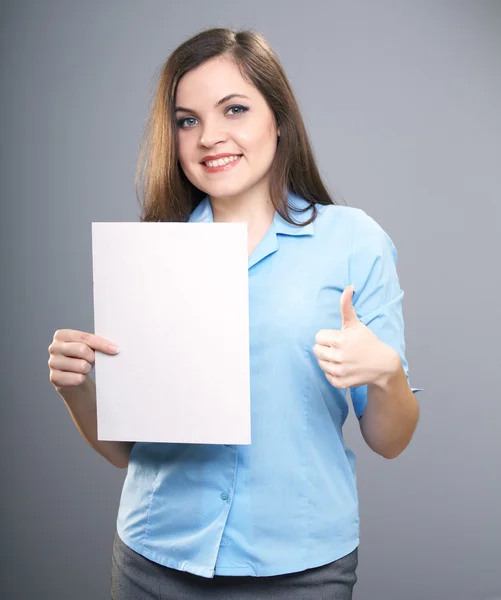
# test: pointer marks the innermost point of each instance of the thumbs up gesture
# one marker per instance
(353, 355)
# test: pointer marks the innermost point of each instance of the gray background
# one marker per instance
(402, 101)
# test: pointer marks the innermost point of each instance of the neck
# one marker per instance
(256, 210)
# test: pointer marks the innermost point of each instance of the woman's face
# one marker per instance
(242, 127)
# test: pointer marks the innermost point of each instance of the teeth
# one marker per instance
(222, 161)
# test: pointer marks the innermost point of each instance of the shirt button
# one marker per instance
(224, 496)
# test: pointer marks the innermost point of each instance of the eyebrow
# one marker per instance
(218, 103)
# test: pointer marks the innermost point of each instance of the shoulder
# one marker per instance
(370, 240)
(357, 229)
(349, 215)
(353, 221)
(329, 214)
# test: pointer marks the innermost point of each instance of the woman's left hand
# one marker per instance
(354, 355)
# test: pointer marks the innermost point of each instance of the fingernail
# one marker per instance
(113, 348)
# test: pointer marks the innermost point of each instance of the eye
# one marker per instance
(180, 122)
(239, 107)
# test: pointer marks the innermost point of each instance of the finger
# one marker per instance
(62, 379)
(328, 337)
(336, 382)
(326, 353)
(95, 342)
(76, 350)
(328, 367)
(71, 365)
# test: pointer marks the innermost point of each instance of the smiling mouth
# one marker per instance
(226, 166)
(225, 161)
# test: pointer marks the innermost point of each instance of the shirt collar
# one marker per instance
(203, 214)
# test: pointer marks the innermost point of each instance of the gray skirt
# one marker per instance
(135, 577)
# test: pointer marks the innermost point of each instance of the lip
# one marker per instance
(222, 168)
(217, 156)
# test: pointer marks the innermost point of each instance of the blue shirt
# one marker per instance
(288, 501)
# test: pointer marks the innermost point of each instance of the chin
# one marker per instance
(224, 190)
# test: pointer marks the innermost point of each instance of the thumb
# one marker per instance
(348, 313)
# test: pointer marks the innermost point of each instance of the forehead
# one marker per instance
(211, 81)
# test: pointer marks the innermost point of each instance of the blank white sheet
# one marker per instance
(174, 298)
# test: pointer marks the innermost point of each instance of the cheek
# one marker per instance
(268, 145)
(183, 154)
(259, 142)
(256, 134)
(186, 166)
(266, 134)
(181, 149)
(186, 143)
(183, 165)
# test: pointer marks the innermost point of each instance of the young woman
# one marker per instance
(277, 518)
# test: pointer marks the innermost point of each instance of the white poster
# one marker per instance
(174, 298)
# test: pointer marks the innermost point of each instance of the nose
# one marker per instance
(212, 134)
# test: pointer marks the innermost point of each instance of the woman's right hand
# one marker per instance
(72, 356)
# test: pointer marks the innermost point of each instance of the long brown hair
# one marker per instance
(163, 189)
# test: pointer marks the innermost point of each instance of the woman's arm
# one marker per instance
(392, 412)
(81, 403)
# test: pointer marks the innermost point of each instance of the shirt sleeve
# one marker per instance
(377, 298)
